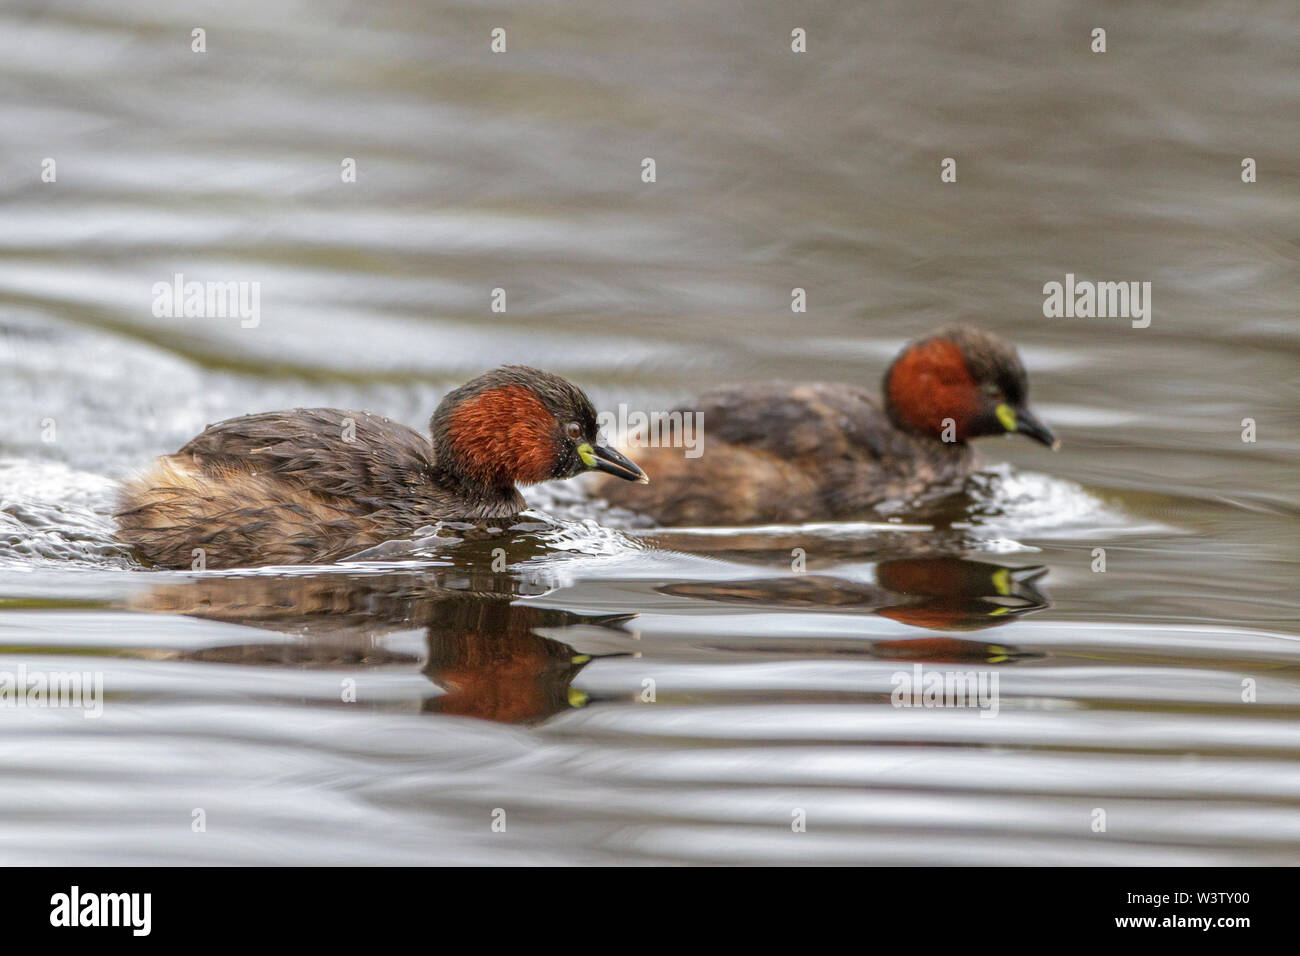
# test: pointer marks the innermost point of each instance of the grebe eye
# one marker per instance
(573, 430)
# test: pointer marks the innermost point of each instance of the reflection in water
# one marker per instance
(776, 175)
(485, 654)
(938, 593)
(484, 649)
(482, 645)
(949, 650)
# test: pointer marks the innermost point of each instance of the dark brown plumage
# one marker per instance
(319, 484)
(781, 452)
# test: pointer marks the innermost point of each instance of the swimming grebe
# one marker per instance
(318, 484)
(784, 452)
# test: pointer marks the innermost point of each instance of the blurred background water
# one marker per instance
(524, 691)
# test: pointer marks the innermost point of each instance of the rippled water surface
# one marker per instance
(1163, 692)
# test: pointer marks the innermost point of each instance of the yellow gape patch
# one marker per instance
(1007, 416)
(1002, 581)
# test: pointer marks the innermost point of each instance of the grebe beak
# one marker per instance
(600, 458)
(1023, 422)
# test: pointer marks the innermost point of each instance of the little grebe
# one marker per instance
(784, 452)
(318, 484)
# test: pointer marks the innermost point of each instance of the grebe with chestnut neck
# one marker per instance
(797, 452)
(314, 485)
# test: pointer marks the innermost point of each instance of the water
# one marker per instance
(479, 690)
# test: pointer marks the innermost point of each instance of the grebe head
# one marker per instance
(960, 383)
(520, 425)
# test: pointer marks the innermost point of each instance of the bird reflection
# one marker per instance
(482, 644)
(939, 593)
(487, 656)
